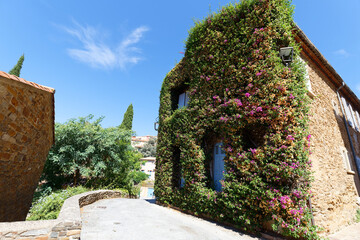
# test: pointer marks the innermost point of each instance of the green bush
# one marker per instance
(49, 206)
(357, 216)
(86, 153)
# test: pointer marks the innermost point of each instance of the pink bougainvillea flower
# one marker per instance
(247, 94)
(259, 109)
(253, 150)
(308, 137)
(225, 41)
(258, 74)
(289, 137)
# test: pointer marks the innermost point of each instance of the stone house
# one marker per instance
(148, 167)
(26, 135)
(335, 130)
(333, 120)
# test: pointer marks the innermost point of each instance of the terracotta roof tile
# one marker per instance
(35, 85)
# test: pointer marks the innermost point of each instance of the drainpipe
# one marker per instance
(347, 130)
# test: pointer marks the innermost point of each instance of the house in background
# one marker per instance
(147, 186)
(140, 141)
(148, 167)
(26, 135)
(199, 152)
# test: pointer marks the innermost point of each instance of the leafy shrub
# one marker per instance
(357, 216)
(49, 206)
(86, 153)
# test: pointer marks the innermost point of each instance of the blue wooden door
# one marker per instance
(219, 168)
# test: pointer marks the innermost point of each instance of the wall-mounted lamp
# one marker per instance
(286, 54)
(156, 124)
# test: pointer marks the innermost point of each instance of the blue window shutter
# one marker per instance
(347, 112)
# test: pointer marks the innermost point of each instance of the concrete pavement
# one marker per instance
(351, 232)
(140, 219)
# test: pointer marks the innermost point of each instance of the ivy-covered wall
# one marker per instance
(240, 94)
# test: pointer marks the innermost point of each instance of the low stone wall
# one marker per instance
(66, 227)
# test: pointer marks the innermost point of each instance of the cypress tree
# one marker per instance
(17, 68)
(128, 118)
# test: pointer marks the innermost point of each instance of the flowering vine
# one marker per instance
(241, 94)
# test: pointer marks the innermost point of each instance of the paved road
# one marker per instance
(351, 232)
(133, 219)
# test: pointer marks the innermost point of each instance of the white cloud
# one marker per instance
(100, 55)
(342, 52)
(125, 48)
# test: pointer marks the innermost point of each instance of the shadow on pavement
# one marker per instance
(152, 201)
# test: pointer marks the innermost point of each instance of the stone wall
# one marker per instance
(334, 189)
(26, 135)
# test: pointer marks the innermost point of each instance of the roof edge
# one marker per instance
(333, 75)
(18, 79)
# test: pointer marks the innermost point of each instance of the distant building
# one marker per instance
(147, 187)
(149, 167)
(139, 141)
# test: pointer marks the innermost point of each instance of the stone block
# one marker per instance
(34, 233)
(73, 232)
(54, 235)
(42, 238)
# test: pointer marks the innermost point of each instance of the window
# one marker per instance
(183, 100)
(358, 118)
(352, 116)
(176, 168)
(307, 79)
(336, 108)
(347, 161)
(219, 166)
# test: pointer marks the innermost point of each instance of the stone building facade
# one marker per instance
(26, 135)
(336, 186)
(335, 134)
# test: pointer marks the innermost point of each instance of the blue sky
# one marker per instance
(100, 56)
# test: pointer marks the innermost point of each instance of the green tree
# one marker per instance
(17, 68)
(84, 152)
(128, 118)
(149, 149)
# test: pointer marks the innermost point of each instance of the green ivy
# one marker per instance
(239, 87)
